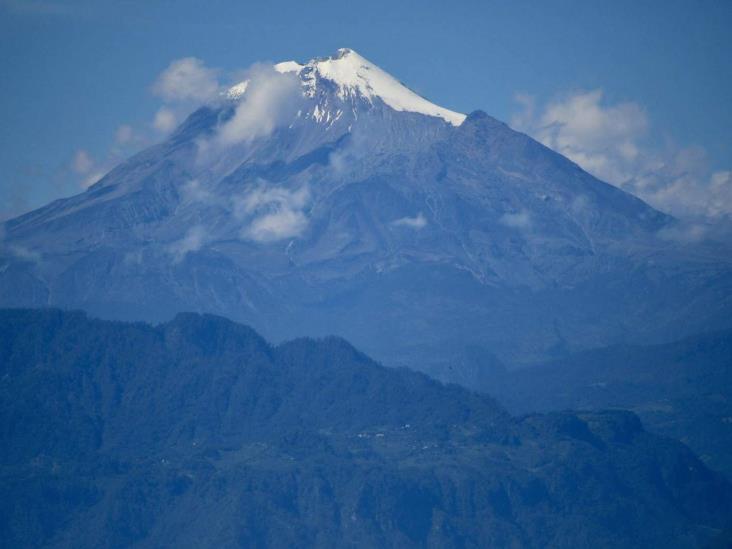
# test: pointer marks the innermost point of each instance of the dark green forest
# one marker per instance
(198, 432)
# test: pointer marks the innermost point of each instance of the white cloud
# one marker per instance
(193, 241)
(603, 139)
(127, 140)
(524, 119)
(609, 141)
(124, 134)
(417, 222)
(283, 223)
(264, 214)
(695, 229)
(517, 220)
(91, 170)
(349, 156)
(265, 196)
(720, 185)
(165, 120)
(187, 79)
(92, 178)
(82, 162)
(689, 194)
(273, 213)
(192, 191)
(685, 232)
(270, 100)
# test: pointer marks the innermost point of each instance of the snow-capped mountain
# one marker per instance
(357, 79)
(327, 197)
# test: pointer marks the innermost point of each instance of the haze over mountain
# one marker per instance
(198, 433)
(328, 198)
(680, 389)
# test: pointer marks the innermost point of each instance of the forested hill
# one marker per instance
(678, 389)
(199, 433)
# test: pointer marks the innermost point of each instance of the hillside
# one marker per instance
(197, 432)
(680, 389)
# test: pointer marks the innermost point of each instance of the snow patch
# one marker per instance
(357, 77)
(236, 92)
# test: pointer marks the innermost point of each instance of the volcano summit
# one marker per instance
(328, 198)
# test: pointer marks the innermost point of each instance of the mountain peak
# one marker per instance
(355, 77)
(343, 52)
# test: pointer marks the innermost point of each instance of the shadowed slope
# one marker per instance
(199, 433)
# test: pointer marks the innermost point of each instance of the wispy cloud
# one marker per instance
(182, 86)
(165, 120)
(16, 250)
(610, 141)
(277, 225)
(270, 100)
(417, 222)
(516, 220)
(187, 79)
(263, 214)
(185, 83)
(82, 162)
(193, 192)
(194, 239)
(124, 134)
(272, 213)
(85, 166)
(88, 170)
(601, 138)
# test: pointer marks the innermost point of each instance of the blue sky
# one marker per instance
(653, 79)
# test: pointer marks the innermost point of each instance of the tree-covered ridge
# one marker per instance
(680, 389)
(198, 432)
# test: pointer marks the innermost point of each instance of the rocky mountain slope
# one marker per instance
(328, 198)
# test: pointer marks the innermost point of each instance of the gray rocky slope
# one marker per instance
(357, 210)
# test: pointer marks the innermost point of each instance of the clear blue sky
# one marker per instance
(72, 72)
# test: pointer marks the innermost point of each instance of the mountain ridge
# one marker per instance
(678, 389)
(197, 431)
(411, 237)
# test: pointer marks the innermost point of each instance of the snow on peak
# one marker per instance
(355, 76)
(235, 92)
